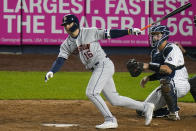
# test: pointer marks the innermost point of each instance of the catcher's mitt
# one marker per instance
(135, 68)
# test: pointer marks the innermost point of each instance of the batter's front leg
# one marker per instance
(94, 88)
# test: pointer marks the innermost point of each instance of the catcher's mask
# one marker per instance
(68, 19)
(156, 30)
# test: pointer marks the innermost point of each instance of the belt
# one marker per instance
(179, 67)
(97, 63)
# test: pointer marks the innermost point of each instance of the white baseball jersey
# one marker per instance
(176, 58)
(87, 44)
(179, 80)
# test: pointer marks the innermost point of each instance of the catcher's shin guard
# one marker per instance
(169, 94)
(192, 82)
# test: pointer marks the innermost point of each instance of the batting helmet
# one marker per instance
(68, 19)
(164, 30)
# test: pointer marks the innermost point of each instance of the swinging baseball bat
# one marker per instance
(178, 10)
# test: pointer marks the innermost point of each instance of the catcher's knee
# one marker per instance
(165, 85)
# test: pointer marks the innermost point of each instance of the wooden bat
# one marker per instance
(178, 10)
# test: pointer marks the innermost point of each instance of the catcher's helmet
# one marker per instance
(67, 19)
(164, 30)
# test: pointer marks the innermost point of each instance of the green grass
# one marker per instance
(67, 85)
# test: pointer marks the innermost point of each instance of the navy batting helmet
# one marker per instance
(164, 30)
(68, 19)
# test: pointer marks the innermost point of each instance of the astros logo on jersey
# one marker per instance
(83, 47)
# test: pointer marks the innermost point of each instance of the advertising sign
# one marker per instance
(37, 22)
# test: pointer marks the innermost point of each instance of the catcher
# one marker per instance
(168, 64)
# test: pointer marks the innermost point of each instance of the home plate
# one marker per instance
(60, 125)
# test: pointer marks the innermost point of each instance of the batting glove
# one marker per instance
(135, 31)
(48, 76)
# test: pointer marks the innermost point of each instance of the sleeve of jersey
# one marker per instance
(57, 64)
(170, 56)
(116, 33)
(64, 51)
(92, 34)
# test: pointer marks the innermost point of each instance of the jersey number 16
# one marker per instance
(88, 54)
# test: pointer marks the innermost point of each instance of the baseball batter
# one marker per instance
(168, 63)
(85, 42)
